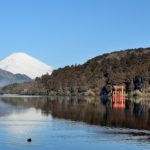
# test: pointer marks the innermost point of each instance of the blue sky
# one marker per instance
(65, 32)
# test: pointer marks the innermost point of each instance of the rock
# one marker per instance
(138, 83)
(29, 140)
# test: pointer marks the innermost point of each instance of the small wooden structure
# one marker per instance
(119, 96)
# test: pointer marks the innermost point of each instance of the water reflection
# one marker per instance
(21, 118)
(23, 122)
(18, 122)
(136, 115)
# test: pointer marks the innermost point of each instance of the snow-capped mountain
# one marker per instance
(24, 64)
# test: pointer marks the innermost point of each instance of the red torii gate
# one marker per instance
(119, 96)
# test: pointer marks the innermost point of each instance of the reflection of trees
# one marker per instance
(92, 112)
(137, 110)
(149, 116)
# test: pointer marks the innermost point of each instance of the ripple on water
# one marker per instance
(19, 124)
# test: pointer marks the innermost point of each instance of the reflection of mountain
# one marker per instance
(7, 78)
(25, 120)
(20, 120)
(25, 116)
(6, 109)
(89, 112)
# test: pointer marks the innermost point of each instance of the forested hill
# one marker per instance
(108, 69)
(131, 67)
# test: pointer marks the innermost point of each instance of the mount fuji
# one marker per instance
(22, 63)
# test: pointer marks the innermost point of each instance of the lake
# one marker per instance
(70, 124)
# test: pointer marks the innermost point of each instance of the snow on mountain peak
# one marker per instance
(24, 64)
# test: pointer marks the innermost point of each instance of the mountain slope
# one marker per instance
(131, 67)
(97, 75)
(7, 78)
(24, 64)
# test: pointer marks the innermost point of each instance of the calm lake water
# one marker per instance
(58, 124)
